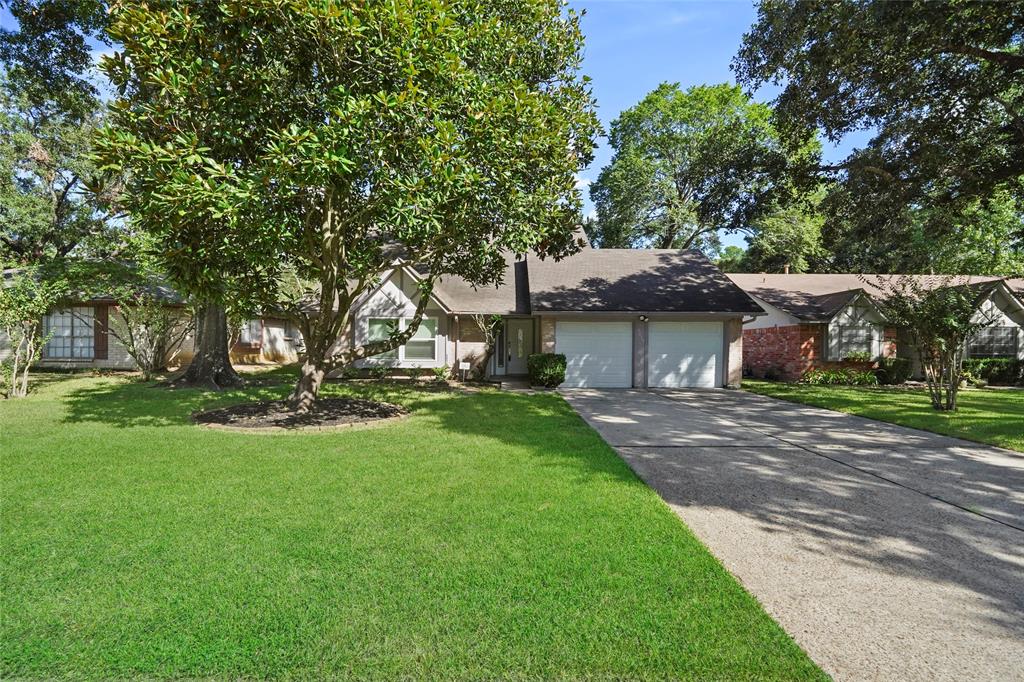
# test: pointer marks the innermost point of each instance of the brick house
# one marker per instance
(816, 321)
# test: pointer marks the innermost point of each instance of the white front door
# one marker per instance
(684, 354)
(597, 354)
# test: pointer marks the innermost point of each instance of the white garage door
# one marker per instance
(684, 354)
(597, 354)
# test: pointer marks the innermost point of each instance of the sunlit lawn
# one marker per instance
(992, 415)
(490, 535)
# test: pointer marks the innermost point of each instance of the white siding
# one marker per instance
(860, 313)
(774, 318)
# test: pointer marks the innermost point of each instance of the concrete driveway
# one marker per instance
(886, 552)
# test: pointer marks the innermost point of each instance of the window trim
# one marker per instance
(76, 322)
(1014, 351)
(399, 355)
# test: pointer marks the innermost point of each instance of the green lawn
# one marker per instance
(488, 535)
(989, 416)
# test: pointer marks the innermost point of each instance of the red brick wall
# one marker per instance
(794, 349)
(790, 350)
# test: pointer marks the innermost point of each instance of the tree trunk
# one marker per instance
(304, 395)
(211, 366)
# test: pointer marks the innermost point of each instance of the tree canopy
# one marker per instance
(302, 148)
(687, 164)
(940, 83)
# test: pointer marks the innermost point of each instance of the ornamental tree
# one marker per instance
(26, 296)
(302, 149)
(939, 314)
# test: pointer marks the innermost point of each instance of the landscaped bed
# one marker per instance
(992, 415)
(488, 535)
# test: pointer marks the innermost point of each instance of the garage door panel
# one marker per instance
(684, 354)
(597, 354)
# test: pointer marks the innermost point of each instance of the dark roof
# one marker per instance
(818, 297)
(508, 297)
(635, 280)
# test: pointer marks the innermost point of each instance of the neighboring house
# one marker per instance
(816, 321)
(622, 317)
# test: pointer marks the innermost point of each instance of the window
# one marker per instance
(994, 342)
(73, 333)
(422, 345)
(854, 340)
(252, 333)
(380, 329)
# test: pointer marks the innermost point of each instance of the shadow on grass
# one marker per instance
(542, 424)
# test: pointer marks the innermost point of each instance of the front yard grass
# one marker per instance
(994, 416)
(490, 535)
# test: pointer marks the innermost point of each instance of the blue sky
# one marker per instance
(632, 47)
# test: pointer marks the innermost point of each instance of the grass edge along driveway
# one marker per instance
(993, 416)
(490, 535)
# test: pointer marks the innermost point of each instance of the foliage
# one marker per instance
(46, 209)
(788, 238)
(151, 331)
(546, 369)
(442, 373)
(858, 356)
(313, 144)
(843, 376)
(731, 259)
(940, 83)
(995, 371)
(380, 372)
(50, 54)
(939, 316)
(893, 371)
(687, 164)
(26, 296)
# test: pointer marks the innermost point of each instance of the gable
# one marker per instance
(1000, 310)
(396, 296)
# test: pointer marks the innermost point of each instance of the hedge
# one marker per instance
(546, 369)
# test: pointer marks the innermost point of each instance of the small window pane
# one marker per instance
(379, 330)
(72, 333)
(854, 340)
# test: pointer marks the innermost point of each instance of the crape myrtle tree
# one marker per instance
(687, 164)
(940, 84)
(440, 134)
(940, 314)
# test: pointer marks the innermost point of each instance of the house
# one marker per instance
(79, 337)
(622, 317)
(818, 320)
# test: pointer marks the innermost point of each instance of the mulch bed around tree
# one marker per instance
(274, 414)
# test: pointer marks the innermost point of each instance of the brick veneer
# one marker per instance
(792, 350)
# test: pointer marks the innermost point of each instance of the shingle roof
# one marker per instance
(817, 297)
(635, 280)
(496, 299)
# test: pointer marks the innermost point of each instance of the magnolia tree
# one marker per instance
(25, 298)
(939, 314)
(440, 134)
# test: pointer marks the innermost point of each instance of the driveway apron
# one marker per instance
(887, 553)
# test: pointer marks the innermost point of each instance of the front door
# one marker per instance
(518, 345)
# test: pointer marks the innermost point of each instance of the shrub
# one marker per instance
(839, 377)
(348, 372)
(441, 373)
(546, 369)
(893, 371)
(995, 371)
(380, 372)
(773, 373)
(858, 356)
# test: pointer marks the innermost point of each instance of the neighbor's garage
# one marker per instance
(597, 354)
(684, 354)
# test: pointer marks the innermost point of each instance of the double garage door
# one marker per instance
(679, 354)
